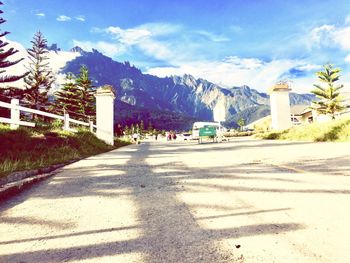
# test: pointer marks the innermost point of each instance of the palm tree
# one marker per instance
(329, 100)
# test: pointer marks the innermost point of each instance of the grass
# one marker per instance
(26, 149)
(335, 131)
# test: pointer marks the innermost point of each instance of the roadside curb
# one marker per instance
(18, 181)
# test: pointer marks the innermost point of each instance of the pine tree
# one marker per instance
(142, 127)
(88, 90)
(69, 98)
(40, 77)
(5, 54)
(126, 130)
(329, 102)
(150, 127)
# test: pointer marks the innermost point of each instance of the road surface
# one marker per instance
(240, 201)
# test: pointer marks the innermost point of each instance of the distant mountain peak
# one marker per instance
(53, 47)
(78, 50)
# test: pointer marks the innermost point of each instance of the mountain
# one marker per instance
(162, 101)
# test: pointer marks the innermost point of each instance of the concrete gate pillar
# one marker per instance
(280, 106)
(105, 114)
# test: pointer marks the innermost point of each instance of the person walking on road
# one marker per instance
(135, 136)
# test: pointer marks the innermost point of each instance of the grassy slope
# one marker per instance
(26, 149)
(338, 130)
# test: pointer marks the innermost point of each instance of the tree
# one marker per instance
(84, 83)
(40, 78)
(127, 130)
(69, 98)
(5, 63)
(329, 100)
(241, 123)
(5, 54)
(142, 127)
(150, 127)
(118, 130)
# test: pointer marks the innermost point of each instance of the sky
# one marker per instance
(228, 42)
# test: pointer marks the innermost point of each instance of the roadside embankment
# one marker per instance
(35, 151)
(336, 130)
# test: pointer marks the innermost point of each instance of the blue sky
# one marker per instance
(236, 42)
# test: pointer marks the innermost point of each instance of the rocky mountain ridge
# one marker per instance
(184, 95)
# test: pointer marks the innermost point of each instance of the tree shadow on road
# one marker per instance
(170, 231)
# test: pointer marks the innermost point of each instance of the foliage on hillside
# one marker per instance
(26, 149)
(126, 115)
(337, 130)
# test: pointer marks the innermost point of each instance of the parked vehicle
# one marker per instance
(187, 136)
(197, 125)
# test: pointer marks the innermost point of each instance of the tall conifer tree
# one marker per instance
(84, 83)
(40, 78)
(5, 54)
(69, 98)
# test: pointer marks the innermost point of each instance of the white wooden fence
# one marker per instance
(15, 121)
(105, 96)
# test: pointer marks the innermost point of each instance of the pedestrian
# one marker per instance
(174, 136)
(135, 136)
(169, 136)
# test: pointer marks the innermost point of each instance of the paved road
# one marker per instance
(240, 201)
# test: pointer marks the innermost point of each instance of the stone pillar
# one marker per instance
(280, 107)
(105, 114)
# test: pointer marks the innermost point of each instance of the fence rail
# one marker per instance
(15, 121)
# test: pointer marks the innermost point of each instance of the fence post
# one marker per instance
(66, 121)
(15, 114)
(105, 114)
(91, 126)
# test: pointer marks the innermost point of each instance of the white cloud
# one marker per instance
(157, 50)
(330, 36)
(342, 37)
(143, 37)
(128, 36)
(347, 20)
(63, 18)
(40, 14)
(109, 49)
(235, 71)
(57, 60)
(309, 67)
(19, 68)
(322, 36)
(213, 37)
(80, 18)
(244, 63)
(161, 29)
(347, 58)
